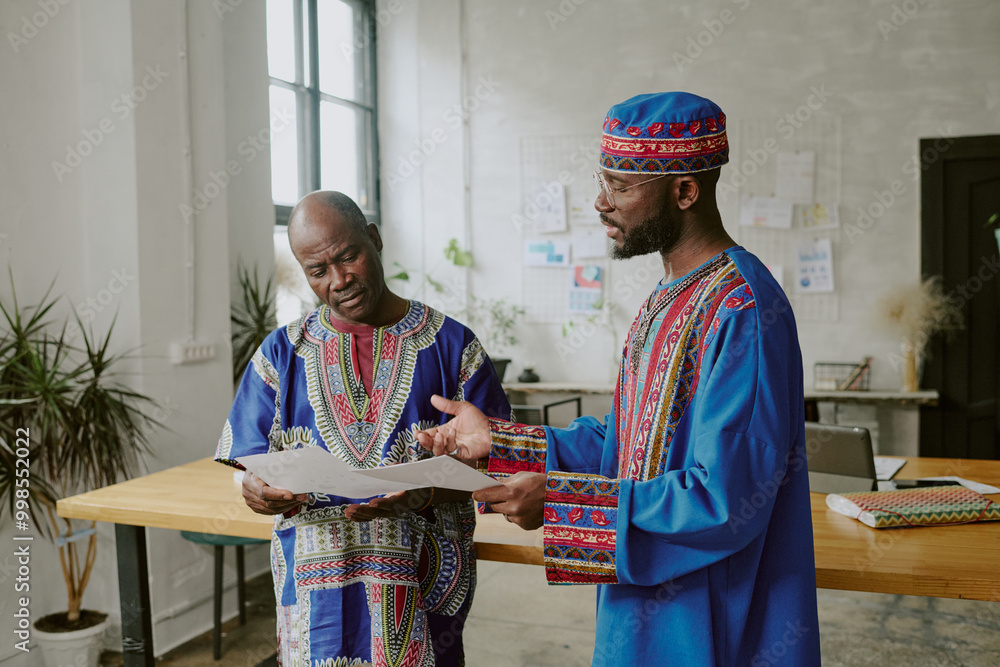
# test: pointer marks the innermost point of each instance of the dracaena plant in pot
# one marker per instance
(68, 424)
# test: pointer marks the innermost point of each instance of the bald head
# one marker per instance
(317, 205)
(339, 252)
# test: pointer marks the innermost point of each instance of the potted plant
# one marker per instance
(252, 318)
(62, 409)
(494, 321)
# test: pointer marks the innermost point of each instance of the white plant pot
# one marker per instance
(79, 648)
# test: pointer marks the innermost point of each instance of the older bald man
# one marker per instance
(388, 580)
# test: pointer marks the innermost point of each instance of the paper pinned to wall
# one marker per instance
(585, 292)
(590, 243)
(765, 212)
(796, 176)
(817, 216)
(546, 253)
(581, 208)
(546, 207)
(815, 266)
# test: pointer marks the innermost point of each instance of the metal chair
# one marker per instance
(538, 415)
(220, 542)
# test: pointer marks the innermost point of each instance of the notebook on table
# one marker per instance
(921, 506)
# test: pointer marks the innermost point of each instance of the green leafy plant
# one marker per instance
(452, 254)
(252, 317)
(81, 426)
(495, 322)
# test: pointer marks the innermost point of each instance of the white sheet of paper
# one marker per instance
(443, 472)
(582, 211)
(314, 470)
(590, 243)
(815, 266)
(765, 212)
(546, 207)
(796, 173)
(886, 467)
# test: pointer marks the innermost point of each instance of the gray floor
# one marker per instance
(519, 621)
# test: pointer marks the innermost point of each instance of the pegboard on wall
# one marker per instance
(760, 141)
(569, 160)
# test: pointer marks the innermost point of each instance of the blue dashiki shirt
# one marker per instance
(689, 503)
(381, 590)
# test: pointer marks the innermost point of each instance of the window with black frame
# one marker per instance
(322, 71)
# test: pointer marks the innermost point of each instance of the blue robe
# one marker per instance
(689, 504)
(381, 590)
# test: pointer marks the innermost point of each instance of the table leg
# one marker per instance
(133, 584)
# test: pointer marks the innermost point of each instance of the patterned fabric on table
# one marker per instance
(350, 592)
(930, 506)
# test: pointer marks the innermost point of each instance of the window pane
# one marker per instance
(284, 147)
(341, 164)
(281, 39)
(338, 48)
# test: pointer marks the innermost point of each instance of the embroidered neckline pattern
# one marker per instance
(654, 306)
(653, 398)
(351, 423)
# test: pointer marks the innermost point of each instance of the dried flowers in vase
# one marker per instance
(916, 313)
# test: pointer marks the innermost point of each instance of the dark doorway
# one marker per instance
(960, 190)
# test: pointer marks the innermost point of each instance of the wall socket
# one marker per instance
(192, 352)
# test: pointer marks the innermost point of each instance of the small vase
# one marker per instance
(911, 375)
(528, 375)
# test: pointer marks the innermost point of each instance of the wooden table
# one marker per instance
(947, 561)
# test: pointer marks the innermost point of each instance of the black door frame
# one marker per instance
(935, 154)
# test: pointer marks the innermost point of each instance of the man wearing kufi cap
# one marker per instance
(689, 503)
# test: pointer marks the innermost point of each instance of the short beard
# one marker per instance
(650, 235)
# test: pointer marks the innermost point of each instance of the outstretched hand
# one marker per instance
(467, 436)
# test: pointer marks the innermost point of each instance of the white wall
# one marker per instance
(894, 71)
(110, 230)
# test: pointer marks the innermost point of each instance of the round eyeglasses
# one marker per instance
(609, 192)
